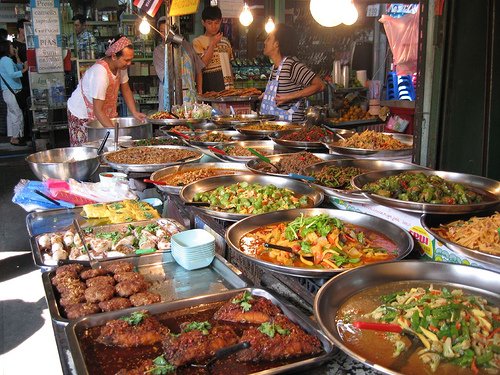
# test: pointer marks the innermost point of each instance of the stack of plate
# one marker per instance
(193, 249)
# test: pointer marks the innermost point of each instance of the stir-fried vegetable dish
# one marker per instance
(419, 187)
(453, 327)
(336, 177)
(245, 198)
(319, 241)
(372, 140)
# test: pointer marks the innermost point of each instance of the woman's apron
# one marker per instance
(77, 130)
(268, 105)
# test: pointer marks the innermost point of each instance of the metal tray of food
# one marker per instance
(42, 258)
(197, 309)
(486, 259)
(489, 189)
(232, 136)
(310, 145)
(332, 123)
(257, 165)
(401, 238)
(268, 128)
(156, 141)
(166, 278)
(241, 119)
(224, 99)
(264, 147)
(177, 121)
(206, 126)
(152, 167)
(365, 165)
(337, 291)
(166, 174)
(407, 139)
(188, 192)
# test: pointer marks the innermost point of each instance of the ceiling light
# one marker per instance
(246, 17)
(326, 12)
(350, 14)
(269, 25)
(144, 27)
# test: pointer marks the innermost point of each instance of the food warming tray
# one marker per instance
(241, 119)
(170, 309)
(197, 128)
(407, 139)
(235, 136)
(339, 289)
(308, 145)
(187, 193)
(153, 167)
(177, 121)
(259, 146)
(235, 232)
(490, 189)
(168, 279)
(164, 173)
(282, 126)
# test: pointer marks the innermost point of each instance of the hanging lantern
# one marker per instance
(326, 12)
(246, 17)
(350, 14)
(269, 27)
(144, 27)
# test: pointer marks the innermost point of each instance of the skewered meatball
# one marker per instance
(127, 288)
(93, 273)
(119, 267)
(116, 303)
(81, 309)
(100, 280)
(128, 276)
(144, 298)
(99, 293)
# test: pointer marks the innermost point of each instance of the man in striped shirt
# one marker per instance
(291, 82)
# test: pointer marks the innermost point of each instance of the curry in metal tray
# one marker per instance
(459, 331)
(320, 242)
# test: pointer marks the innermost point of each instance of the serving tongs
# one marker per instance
(265, 159)
(223, 353)
(94, 263)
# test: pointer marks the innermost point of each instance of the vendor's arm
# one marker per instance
(207, 54)
(129, 100)
(316, 86)
(99, 113)
(199, 83)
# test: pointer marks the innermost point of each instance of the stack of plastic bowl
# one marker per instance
(193, 249)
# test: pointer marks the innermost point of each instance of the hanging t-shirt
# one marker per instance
(217, 75)
(95, 83)
(294, 76)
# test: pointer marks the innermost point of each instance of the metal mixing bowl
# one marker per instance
(78, 163)
(128, 126)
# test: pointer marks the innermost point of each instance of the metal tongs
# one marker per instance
(223, 353)
(94, 263)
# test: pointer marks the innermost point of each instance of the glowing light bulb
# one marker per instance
(326, 12)
(246, 17)
(350, 14)
(269, 27)
(144, 27)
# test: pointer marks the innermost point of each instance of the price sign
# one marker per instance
(183, 7)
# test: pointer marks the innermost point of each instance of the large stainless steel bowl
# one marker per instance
(78, 163)
(235, 232)
(127, 126)
(333, 294)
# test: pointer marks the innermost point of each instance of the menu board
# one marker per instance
(47, 38)
(183, 7)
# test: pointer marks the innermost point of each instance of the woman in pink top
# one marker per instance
(96, 95)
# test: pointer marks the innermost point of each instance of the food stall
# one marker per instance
(228, 192)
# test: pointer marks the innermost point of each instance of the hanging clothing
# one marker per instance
(290, 76)
(100, 83)
(217, 75)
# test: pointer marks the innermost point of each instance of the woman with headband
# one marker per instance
(96, 95)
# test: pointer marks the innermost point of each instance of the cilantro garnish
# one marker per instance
(161, 367)
(203, 327)
(271, 329)
(244, 301)
(135, 318)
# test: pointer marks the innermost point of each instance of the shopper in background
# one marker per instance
(191, 68)
(22, 98)
(215, 52)
(290, 82)
(10, 84)
(3, 34)
(84, 38)
(96, 96)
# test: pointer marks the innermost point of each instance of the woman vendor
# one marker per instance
(96, 95)
(290, 82)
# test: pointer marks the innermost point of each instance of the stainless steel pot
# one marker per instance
(128, 126)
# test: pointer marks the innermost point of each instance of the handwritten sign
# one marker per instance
(47, 29)
(183, 7)
(231, 8)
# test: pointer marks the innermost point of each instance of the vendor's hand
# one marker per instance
(283, 98)
(261, 96)
(216, 39)
(139, 116)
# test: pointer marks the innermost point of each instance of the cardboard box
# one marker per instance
(431, 248)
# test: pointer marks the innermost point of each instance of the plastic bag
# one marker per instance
(402, 34)
(25, 196)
